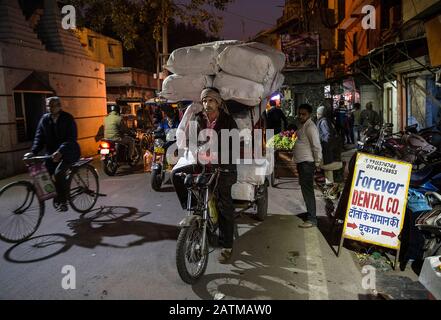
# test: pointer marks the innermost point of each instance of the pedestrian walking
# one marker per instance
(369, 117)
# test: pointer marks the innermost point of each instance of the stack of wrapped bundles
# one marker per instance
(243, 72)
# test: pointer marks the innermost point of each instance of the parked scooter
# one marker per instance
(160, 165)
(114, 154)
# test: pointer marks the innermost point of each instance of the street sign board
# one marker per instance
(377, 202)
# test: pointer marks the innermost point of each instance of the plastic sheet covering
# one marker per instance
(239, 89)
(199, 59)
(242, 191)
(251, 62)
(182, 132)
(253, 173)
(177, 87)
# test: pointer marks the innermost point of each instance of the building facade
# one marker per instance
(100, 48)
(38, 58)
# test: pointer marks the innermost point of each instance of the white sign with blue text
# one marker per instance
(377, 202)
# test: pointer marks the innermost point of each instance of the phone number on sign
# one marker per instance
(381, 169)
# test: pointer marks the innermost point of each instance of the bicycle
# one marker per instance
(199, 227)
(22, 205)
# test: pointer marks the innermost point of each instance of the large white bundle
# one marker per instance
(278, 57)
(243, 191)
(239, 89)
(244, 124)
(271, 87)
(189, 87)
(253, 173)
(251, 62)
(199, 59)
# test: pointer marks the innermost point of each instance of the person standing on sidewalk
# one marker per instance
(308, 157)
(356, 115)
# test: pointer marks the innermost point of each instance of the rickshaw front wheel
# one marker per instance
(262, 202)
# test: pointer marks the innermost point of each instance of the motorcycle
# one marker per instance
(432, 135)
(160, 165)
(430, 226)
(405, 146)
(114, 154)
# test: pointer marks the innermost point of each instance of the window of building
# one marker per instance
(355, 44)
(110, 48)
(341, 10)
(341, 40)
(90, 43)
(29, 107)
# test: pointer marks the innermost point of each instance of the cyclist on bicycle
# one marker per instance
(215, 116)
(57, 133)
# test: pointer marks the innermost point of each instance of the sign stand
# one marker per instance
(397, 255)
(377, 203)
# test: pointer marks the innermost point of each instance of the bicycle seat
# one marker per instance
(82, 162)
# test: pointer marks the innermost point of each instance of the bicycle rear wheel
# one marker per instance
(20, 211)
(84, 188)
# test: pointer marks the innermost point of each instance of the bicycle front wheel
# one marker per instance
(84, 188)
(20, 211)
(191, 261)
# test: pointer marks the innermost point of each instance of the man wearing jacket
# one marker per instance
(214, 116)
(115, 128)
(57, 132)
(308, 156)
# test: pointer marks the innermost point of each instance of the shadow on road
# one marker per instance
(265, 265)
(89, 231)
(287, 184)
(126, 170)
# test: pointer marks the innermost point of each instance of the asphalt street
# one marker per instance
(125, 249)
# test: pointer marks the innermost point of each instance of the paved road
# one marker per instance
(128, 252)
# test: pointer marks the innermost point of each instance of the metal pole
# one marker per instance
(164, 37)
(158, 70)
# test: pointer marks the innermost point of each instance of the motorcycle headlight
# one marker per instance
(159, 143)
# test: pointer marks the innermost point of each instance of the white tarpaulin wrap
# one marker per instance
(252, 173)
(243, 191)
(189, 87)
(251, 63)
(199, 59)
(239, 89)
(272, 87)
(182, 132)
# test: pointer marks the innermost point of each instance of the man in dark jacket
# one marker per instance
(331, 148)
(275, 117)
(57, 133)
(214, 116)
